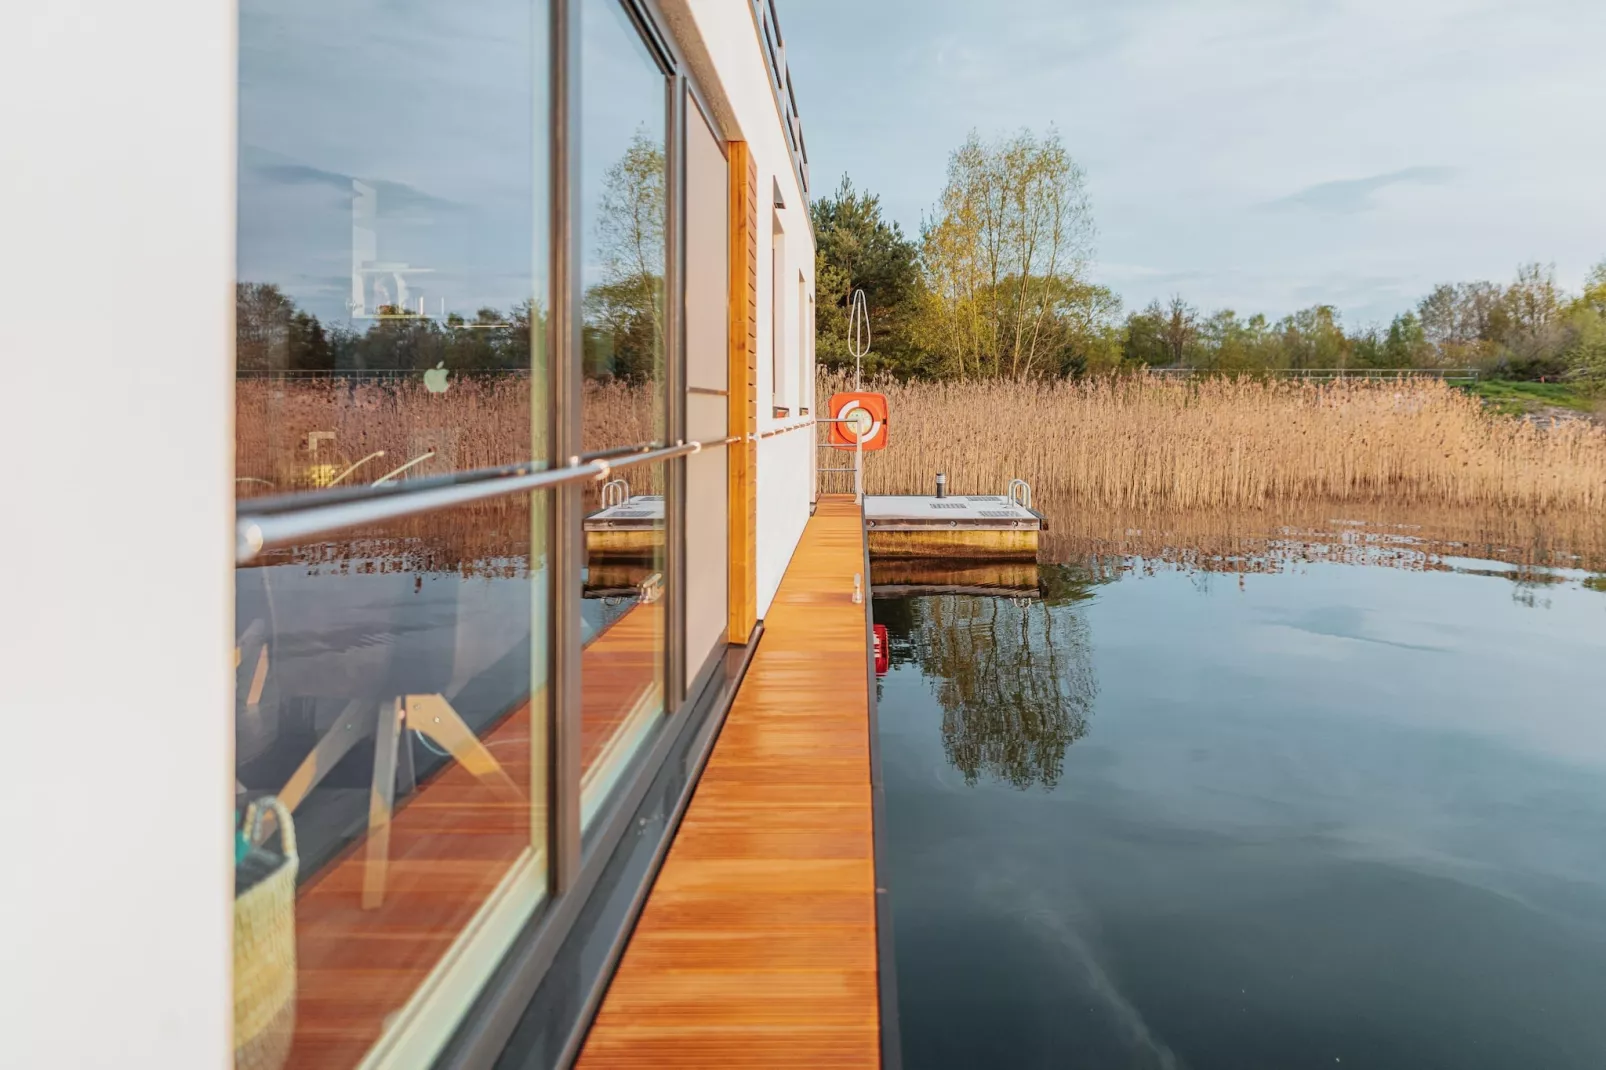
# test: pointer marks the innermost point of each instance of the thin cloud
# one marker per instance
(1353, 195)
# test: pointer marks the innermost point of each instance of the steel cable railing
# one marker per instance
(281, 523)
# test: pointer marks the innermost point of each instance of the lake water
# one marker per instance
(1274, 812)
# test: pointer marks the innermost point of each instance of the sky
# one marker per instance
(1259, 155)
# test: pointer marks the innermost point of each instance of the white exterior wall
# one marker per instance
(117, 225)
(735, 47)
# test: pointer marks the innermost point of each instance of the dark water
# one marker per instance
(1330, 816)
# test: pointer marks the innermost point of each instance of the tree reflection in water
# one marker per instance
(1013, 676)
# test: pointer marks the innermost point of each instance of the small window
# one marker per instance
(805, 374)
(781, 389)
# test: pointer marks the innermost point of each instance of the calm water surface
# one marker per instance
(1327, 815)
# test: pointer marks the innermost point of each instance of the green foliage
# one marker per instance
(1142, 341)
(1018, 683)
(1584, 328)
(1005, 256)
(858, 249)
(623, 335)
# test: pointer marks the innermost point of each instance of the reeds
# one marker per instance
(296, 435)
(1136, 443)
(1144, 443)
(301, 434)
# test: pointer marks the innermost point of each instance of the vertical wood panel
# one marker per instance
(743, 392)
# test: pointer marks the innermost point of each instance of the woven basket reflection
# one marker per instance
(265, 944)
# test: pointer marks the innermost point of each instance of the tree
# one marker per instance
(856, 249)
(1010, 234)
(1179, 326)
(1086, 318)
(273, 335)
(1594, 295)
(1223, 344)
(1016, 684)
(1406, 345)
(1312, 339)
(624, 313)
(261, 327)
(1142, 340)
(1585, 323)
(1532, 339)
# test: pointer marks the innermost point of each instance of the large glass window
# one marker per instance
(625, 343)
(391, 697)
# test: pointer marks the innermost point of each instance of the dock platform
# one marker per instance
(974, 526)
(758, 942)
(632, 530)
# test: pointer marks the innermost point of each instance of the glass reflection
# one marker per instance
(384, 699)
(391, 268)
(391, 684)
(1013, 676)
(623, 100)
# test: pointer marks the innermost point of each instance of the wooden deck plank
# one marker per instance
(757, 946)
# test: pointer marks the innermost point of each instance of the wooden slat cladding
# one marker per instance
(743, 391)
(757, 946)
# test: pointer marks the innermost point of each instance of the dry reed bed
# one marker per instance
(1141, 442)
(1135, 443)
(296, 434)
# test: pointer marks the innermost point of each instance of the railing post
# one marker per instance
(858, 470)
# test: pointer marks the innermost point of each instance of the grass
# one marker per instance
(1516, 398)
(1144, 443)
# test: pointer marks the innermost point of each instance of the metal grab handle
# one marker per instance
(858, 336)
(1020, 492)
(615, 492)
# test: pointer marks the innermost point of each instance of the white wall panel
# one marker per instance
(783, 506)
(117, 224)
(732, 42)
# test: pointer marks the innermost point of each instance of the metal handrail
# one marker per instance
(259, 531)
(296, 501)
(810, 422)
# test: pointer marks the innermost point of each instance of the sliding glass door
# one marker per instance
(390, 710)
(625, 343)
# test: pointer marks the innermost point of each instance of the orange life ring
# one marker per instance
(869, 411)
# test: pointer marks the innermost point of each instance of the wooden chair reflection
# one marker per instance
(395, 688)
(432, 717)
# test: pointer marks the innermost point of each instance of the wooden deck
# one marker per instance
(757, 946)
